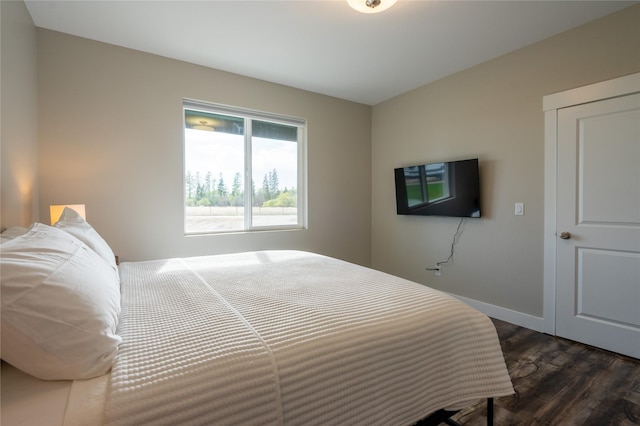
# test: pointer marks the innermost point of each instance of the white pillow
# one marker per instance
(60, 306)
(71, 222)
(11, 233)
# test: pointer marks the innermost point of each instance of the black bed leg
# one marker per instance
(489, 411)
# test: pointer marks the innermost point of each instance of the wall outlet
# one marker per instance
(437, 270)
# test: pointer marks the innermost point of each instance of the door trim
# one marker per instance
(551, 104)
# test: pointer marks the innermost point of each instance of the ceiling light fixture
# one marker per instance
(203, 126)
(371, 6)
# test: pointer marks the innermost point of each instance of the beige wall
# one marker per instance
(494, 112)
(19, 112)
(110, 133)
(111, 138)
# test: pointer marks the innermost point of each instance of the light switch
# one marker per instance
(519, 209)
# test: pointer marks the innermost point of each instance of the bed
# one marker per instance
(267, 337)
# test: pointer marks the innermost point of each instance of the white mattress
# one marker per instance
(22, 392)
(286, 337)
(28, 401)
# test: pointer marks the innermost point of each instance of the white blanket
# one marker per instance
(287, 337)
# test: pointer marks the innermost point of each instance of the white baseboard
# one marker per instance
(505, 314)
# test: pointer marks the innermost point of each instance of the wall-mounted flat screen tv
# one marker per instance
(439, 189)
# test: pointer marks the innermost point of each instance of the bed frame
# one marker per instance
(444, 416)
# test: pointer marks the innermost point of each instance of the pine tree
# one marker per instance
(274, 184)
(208, 188)
(190, 187)
(236, 189)
(199, 188)
(222, 191)
(265, 187)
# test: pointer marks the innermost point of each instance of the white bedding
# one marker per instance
(287, 337)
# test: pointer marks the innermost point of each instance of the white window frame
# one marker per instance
(248, 115)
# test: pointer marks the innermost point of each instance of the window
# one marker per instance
(428, 183)
(243, 170)
(438, 182)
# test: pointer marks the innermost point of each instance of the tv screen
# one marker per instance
(439, 189)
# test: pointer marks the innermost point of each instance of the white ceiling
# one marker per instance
(324, 46)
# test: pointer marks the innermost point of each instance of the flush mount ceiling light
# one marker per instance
(371, 6)
(203, 125)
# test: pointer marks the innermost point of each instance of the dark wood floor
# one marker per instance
(561, 382)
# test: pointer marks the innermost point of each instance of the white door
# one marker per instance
(598, 224)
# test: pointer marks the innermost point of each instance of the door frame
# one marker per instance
(551, 104)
